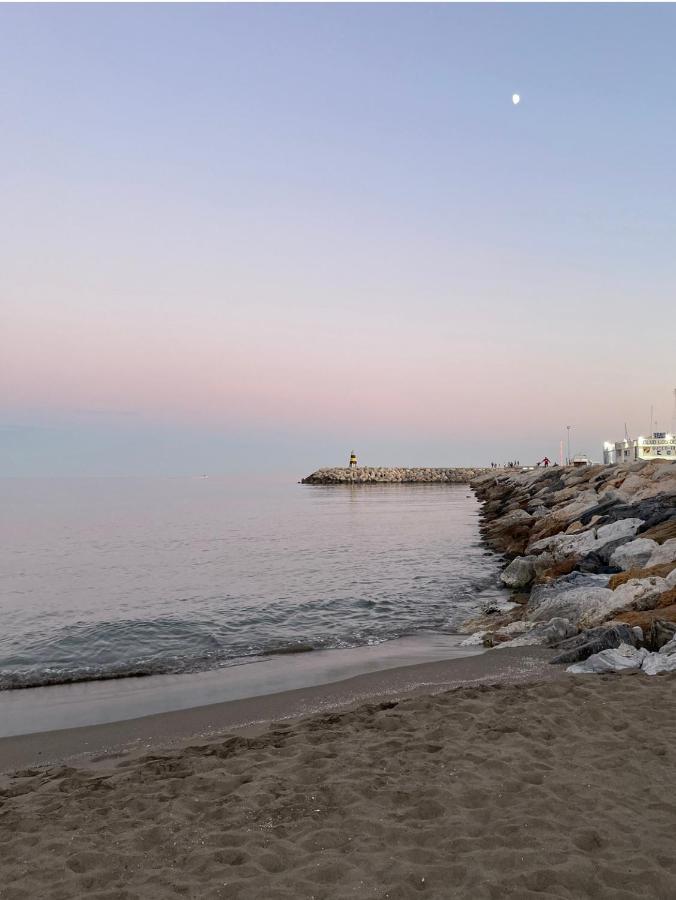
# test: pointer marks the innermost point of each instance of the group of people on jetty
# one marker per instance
(515, 464)
(512, 464)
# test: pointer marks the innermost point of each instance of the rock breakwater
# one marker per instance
(381, 475)
(591, 558)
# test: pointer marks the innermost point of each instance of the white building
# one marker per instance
(660, 445)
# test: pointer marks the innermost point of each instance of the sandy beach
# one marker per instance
(558, 788)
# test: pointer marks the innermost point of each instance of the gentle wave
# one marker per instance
(96, 647)
(221, 576)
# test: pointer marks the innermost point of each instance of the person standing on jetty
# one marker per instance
(353, 460)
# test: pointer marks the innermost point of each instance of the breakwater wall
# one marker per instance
(590, 555)
(381, 475)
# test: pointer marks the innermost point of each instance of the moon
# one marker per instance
(515, 99)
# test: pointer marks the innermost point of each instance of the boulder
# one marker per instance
(669, 648)
(474, 640)
(639, 593)
(654, 511)
(660, 634)
(624, 658)
(507, 632)
(662, 532)
(520, 572)
(604, 553)
(634, 554)
(662, 661)
(598, 562)
(565, 582)
(657, 664)
(663, 571)
(594, 640)
(572, 597)
(592, 540)
(646, 484)
(515, 517)
(546, 634)
(663, 553)
(646, 619)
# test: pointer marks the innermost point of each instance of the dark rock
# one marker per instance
(653, 511)
(595, 563)
(593, 640)
(604, 553)
(601, 510)
(661, 632)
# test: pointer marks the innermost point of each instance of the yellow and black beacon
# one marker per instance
(353, 460)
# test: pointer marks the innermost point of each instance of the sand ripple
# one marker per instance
(551, 790)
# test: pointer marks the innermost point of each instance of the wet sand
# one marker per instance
(82, 745)
(520, 788)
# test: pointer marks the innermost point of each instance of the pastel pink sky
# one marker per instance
(266, 232)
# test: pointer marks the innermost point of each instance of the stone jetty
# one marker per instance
(590, 555)
(379, 475)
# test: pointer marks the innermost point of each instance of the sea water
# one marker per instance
(106, 578)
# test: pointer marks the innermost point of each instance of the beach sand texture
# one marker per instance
(561, 789)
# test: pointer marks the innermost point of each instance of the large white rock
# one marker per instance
(671, 579)
(658, 664)
(665, 553)
(633, 555)
(582, 543)
(586, 601)
(545, 634)
(638, 594)
(561, 585)
(474, 640)
(620, 659)
(514, 628)
(575, 604)
(664, 661)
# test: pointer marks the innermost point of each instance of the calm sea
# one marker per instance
(105, 578)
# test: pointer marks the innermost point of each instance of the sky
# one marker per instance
(240, 238)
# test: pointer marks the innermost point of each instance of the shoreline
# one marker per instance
(97, 702)
(85, 744)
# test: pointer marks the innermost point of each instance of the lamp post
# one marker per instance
(568, 429)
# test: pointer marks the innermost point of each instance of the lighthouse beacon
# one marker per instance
(353, 460)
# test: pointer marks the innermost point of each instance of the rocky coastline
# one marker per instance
(384, 475)
(590, 556)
